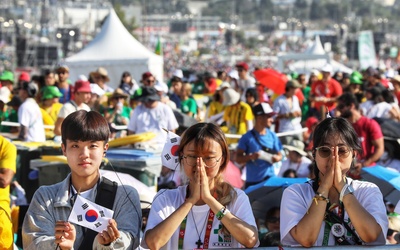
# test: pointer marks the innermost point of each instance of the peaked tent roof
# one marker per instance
(315, 48)
(113, 42)
(115, 49)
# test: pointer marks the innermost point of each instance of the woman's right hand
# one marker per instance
(195, 185)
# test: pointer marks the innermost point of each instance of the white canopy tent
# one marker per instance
(115, 49)
(314, 57)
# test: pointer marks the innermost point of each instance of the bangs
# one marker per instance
(85, 126)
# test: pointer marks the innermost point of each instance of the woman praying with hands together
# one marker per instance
(333, 209)
(207, 212)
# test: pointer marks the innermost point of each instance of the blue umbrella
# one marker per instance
(384, 178)
(268, 194)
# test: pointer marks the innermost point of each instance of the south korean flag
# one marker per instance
(169, 156)
(90, 215)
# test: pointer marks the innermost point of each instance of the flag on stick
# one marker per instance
(90, 215)
(158, 49)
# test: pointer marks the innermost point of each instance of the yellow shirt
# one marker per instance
(215, 108)
(8, 160)
(52, 111)
(236, 117)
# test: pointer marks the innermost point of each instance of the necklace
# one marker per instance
(199, 243)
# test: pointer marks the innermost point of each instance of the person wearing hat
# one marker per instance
(260, 147)
(238, 115)
(50, 101)
(7, 81)
(324, 93)
(356, 86)
(29, 115)
(296, 160)
(245, 81)
(287, 107)
(82, 94)
(100, 76)
(117, 113)
(95, 98)
(64, 83)
(148, 80)
(151, 115)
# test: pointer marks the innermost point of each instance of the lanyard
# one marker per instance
(182, 230)
(328, 224)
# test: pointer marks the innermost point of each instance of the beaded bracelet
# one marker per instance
(320, 197)
(221, 213)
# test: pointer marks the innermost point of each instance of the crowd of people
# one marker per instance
(325, 126)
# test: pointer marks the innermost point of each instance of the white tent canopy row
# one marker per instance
(314, 57)
(115, 49)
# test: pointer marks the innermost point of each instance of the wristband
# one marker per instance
(319, 196)
(221, 213)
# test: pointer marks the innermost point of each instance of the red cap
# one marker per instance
(82, 86)
(24, 76)
(310, 122)
(242, 65)
(146, 75)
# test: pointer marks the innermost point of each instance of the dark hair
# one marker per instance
(289, 171)
(348, 99)
(331, 126)
(270, 213)
(252, 92)
(124, 74)
(85, 126)
(271, 239)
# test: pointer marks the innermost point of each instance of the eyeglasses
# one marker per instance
(273, 219)
(210, 162)
(150, 81)
(326, 151)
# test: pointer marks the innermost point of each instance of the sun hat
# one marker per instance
(160, 86)
(82, 86)
(297, 146)
(95, 89)
(149, 94)
(178, 73)
(230, 97)
(118, 93)
(327, 68)
(100, 72)
(62, 68)
(224, 85)
(50, 92)
(263, 109)
(7, 76)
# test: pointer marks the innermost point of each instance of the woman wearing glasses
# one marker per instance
(333, 209)
(207, 212)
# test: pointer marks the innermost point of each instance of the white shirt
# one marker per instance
(281, 106)
(71, 107)
(29, 115)
(153, 120)
(301, 168)
(297, 198)
(168, 201)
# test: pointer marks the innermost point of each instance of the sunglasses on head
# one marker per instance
(326, 151)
